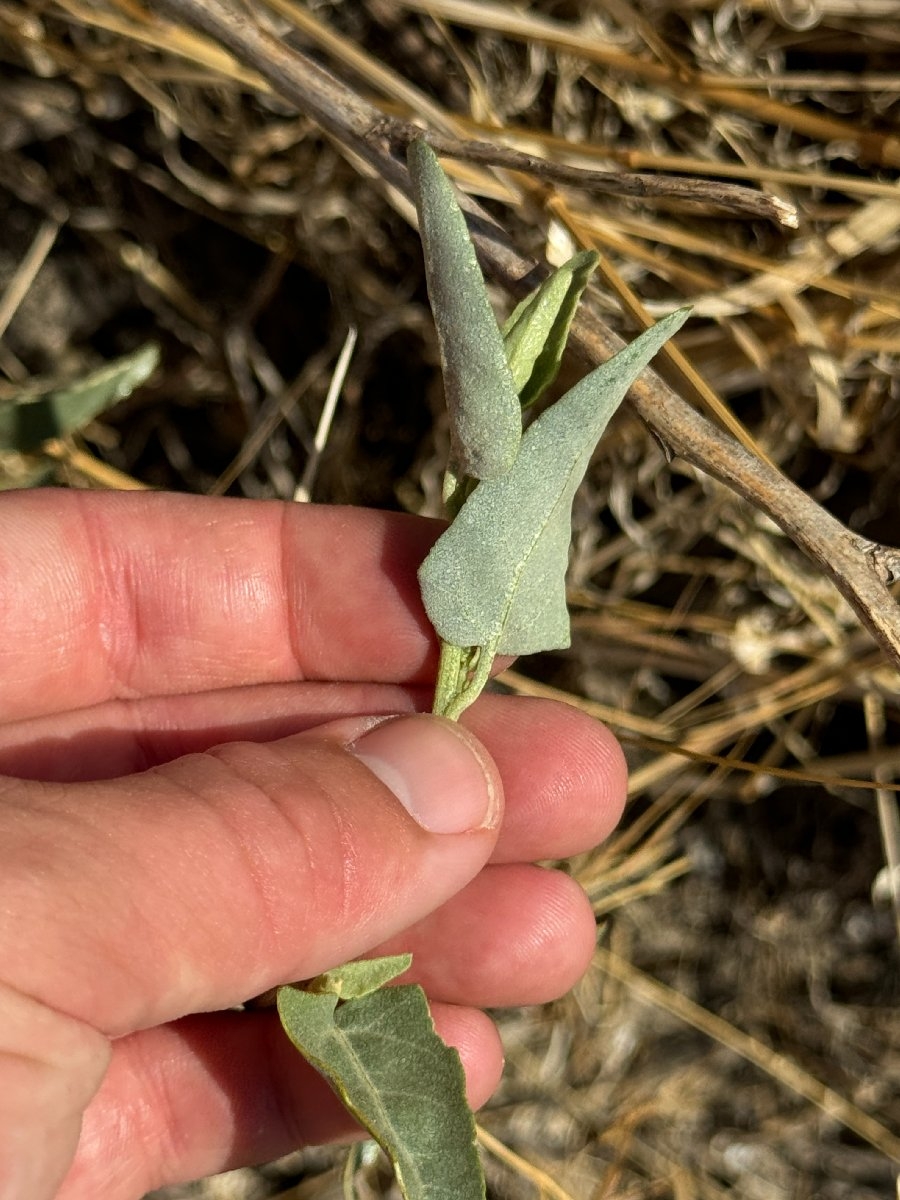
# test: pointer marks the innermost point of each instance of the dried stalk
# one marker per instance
(861, 569)
(729, 197)
(526, 27)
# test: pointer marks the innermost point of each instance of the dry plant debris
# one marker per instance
(737, 1034)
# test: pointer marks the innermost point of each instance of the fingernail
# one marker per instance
(438, 773)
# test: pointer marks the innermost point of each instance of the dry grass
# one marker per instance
(737, 1033)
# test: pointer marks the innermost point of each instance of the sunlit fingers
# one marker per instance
(223, 1090)
(517, 934)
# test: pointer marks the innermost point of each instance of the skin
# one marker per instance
(186, 686)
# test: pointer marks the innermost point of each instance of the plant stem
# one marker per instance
(462, 674)
(860, 568)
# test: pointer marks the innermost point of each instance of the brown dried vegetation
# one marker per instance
(737, 1033)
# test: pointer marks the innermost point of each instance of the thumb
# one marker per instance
(210, 879)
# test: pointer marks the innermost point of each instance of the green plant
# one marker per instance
(43, 410)
(494, 583)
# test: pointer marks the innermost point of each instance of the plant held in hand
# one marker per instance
(494, 583)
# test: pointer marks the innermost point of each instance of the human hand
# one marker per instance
(183, 826)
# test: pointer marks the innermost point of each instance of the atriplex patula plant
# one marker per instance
(494, 583)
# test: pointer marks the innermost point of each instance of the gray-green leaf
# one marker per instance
(496, 577)
(382, 1056)
(482, 398)
(536, 331)
(54, 410)
(355, 979)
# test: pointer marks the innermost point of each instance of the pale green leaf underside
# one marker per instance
(396, 1076)
(482, 400)
(54, 410)
(496, 577)
(355, 979)
(536, 331)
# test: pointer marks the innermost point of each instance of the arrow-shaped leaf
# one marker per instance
(382, 1056)
(482, 399)
(496, 577)
(536, 332)
(53, 410)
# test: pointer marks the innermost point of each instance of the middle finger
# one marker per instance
(563, 772)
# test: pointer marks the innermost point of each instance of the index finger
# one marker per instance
(118, 596)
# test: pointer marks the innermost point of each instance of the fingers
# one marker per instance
(564, 774)
(516, 934)
(228, 1089)
(50, 1066)
(219, 1091)
(118, 596)
(119, 738)
(213, 878)
(207, 887)
(213, 1092)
